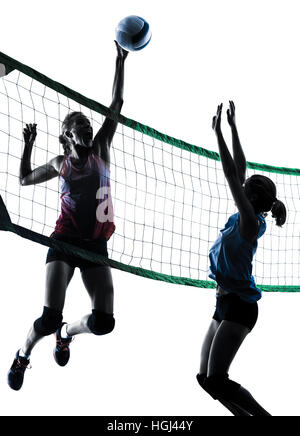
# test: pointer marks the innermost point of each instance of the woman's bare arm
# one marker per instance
(103, 138)
(248, 220)
(238, 154)
(42, 173)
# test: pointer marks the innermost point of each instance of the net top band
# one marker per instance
(9, 64)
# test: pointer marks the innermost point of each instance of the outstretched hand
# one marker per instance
(122, 53)
(216, 123)
(231, 114)
(29, 134)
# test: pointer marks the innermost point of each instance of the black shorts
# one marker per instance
(231, 307)
(97, 246)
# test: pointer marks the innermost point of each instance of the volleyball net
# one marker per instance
(170, 198)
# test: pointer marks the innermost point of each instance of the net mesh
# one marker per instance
(169, 202)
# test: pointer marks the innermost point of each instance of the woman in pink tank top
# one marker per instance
(86, 220)
(86, 206)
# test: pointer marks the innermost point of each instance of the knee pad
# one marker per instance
(201, 380)
(49, 322)
(219, 386)
(100, 323)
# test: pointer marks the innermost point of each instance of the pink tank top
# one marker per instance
(86, 203)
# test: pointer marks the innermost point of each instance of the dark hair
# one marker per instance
(66, 124)
(262, 193)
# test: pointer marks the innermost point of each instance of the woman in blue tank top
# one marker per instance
(231, 267)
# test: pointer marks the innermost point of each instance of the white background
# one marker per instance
(202, 53)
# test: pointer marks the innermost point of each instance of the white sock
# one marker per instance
(22, 354)
(63, 332)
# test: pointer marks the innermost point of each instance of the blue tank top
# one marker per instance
(231, 260)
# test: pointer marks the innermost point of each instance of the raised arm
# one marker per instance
(103, 138)
(248, 220)
(238, 154)
(42, 173)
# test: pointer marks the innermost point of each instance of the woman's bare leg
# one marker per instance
(212, 330)
(58, 276)
(225, 345)
(99, 285)
(205, 352)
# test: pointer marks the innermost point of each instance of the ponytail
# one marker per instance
(279, 212)
(262, 193)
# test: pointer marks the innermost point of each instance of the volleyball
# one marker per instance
(133, 33)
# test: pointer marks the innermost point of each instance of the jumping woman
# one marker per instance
(231, 267)
(86, 220)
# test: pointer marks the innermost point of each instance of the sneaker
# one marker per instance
(61, 352)
(16, 373)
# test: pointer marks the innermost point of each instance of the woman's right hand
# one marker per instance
(29, 134)
(216, 123)
(231, 114)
